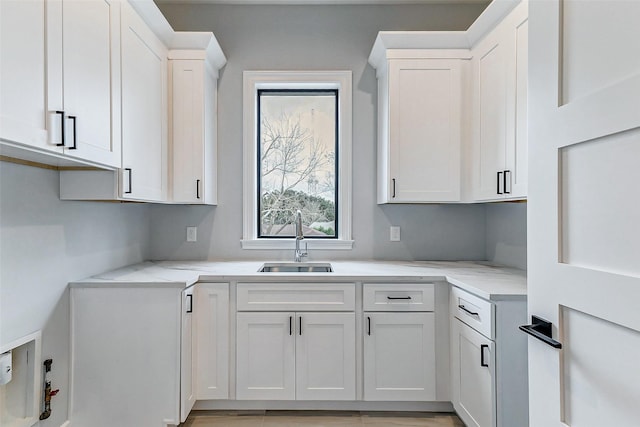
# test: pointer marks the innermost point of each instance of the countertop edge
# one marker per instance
(493, 283)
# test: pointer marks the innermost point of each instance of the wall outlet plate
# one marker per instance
(394, 233)
(192, 234)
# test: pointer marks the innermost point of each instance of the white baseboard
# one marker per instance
(299, 405)
(66, 424)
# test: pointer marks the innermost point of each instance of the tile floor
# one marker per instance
(320, 419)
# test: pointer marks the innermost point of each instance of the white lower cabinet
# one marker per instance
(187, 365)
(488, 360)
(212, 340)
(399, 357)
(131, 355)
(474, 375)
(295, 356)
(399, 342)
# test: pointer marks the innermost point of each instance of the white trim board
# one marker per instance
(254, 80)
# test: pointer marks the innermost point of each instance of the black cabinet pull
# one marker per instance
(482, 362)
(498, 183)
(62, 122)
(130, 172)
(369, 325)
(392, 298)
(473, 313)
(197, 188)
(393, 195)
(190, 309)
(504, 186)
(290, 325)
(74, 146)
(300, 329)
(541, 329)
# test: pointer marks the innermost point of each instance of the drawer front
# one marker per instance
(474, 311)
(296, 297)
(398, 297)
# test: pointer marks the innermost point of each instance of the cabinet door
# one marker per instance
(90, 37)
(517, 150)
(325, 356)
(493, 112)
(187, 383)
(23, 67)
(187, 134)
(143, 110)
(424, 130)
(265, 356)
(212, 342)
(473, 376)
(399, 356)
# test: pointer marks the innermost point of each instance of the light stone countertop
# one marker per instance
(480, 278)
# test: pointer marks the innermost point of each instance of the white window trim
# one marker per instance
(254, 80)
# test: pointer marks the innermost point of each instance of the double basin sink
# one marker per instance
(296, 267)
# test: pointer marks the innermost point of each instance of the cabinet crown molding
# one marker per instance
(465, 40)
(180, 40)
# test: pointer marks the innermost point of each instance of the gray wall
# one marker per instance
(315, 37)
(506, 234)
(44, 244)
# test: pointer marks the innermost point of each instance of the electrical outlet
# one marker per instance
(192, 234)
(394, 233)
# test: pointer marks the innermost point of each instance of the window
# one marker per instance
(297, 147)
(297, 156)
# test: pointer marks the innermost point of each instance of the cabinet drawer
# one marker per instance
(296, 297)
(474, 311)
(398, 297)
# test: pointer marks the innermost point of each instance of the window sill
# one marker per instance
(284, 244)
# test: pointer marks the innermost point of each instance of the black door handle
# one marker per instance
(74, 146)
(540, 329)
(498, 183)
(290, 325)
(482, 362)
(369, 325)
(300, 329)
(473, 313)
(393, 195)
(197, 188)
(130, 173)
(190, 309)
(392, 298)
(504, 186)
(62, 130)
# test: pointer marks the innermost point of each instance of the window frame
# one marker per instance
(296, 80)
(335, 93)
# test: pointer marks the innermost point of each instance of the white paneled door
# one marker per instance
(584, 206)
(326, 356)
(399, 357)
(266, 356)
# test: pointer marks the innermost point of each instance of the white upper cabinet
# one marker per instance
(144, 111)
(60, 81)
(452, 110)
(499, 142)
(90, 38)
(193, 104)
(23, 66)
(419, 120)
(151, 169)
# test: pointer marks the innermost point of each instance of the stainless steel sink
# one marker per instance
(295, 267)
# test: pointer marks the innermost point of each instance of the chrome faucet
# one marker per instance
(299, 254)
